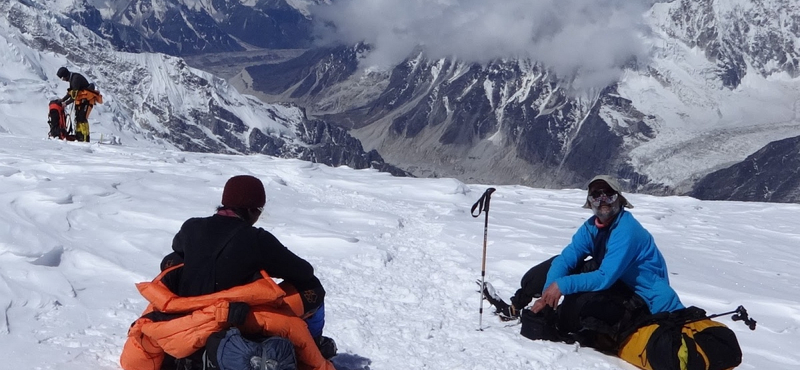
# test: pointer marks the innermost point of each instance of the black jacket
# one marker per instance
(221, 252)
(76, 83)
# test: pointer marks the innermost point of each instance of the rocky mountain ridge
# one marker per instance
(161, 99)
(771, 174)
(696, 107)
(721, 84)
(189, 27)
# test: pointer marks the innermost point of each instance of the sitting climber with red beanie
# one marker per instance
(223, 253)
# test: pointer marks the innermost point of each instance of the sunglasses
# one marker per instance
(599, 196)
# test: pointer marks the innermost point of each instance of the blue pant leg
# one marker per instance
(316, 322)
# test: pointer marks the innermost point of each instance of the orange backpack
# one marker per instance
(57, 120)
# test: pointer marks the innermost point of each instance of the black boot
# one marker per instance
(505, 311)
(327, 346)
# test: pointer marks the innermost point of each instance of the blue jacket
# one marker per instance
(631, 256)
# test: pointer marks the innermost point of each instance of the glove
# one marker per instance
(237, 313)
(327, 346)
(172, 259)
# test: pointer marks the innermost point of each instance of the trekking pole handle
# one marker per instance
(482, 203)
(739, 314)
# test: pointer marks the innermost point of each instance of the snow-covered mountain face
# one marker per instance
(721, 83)
(151, 99)
(505, 122)
(737, 34)
(190, 27)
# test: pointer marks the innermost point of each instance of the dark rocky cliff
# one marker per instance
(770, 175)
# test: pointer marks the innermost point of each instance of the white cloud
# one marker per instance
(590, 40)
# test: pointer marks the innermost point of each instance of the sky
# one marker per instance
(81, 223)
(588, 41)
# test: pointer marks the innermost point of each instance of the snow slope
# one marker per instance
(81, 223)
(150, 100)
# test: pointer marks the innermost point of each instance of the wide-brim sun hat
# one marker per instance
(613, 184)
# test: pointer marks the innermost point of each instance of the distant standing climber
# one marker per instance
(84, 95)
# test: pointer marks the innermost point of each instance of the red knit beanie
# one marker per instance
(244, 191)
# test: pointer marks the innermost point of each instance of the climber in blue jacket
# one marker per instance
(628, 252)
(610, 275)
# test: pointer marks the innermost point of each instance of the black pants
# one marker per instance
(532, 284)
(595, 319)
(82, 111)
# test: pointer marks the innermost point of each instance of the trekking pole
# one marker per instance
(739, 314)
(482, 203)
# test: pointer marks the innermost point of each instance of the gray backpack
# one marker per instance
(229, 350)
